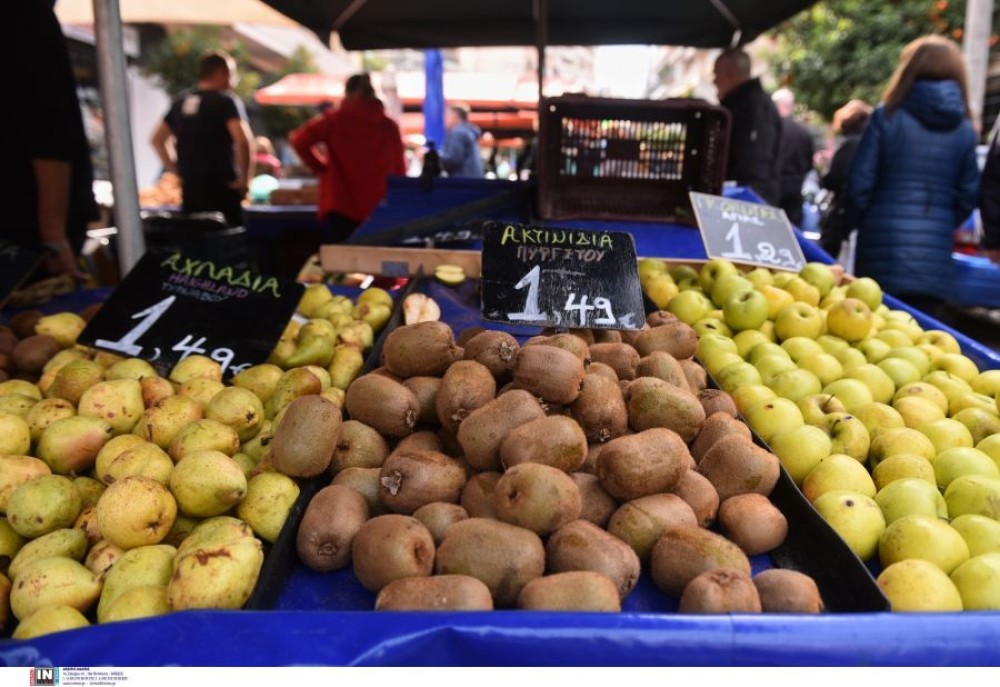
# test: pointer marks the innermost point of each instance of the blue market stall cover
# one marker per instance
(434, 97)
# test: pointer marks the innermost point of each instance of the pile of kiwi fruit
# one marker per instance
(23, 351)
(480, 473)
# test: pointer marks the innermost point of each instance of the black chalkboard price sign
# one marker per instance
(16, 264)
(568, 278)
(171, 306)
(747, 232)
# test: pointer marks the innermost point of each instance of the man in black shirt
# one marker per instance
(795, 155)
(212, 145)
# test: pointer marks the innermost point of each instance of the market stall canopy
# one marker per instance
(375, 24)
(223, 12)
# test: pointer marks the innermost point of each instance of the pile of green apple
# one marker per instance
(891, 433)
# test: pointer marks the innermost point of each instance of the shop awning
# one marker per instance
(223, 12)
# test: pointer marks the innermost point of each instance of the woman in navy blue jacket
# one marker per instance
(914, 177)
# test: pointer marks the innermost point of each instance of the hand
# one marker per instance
(64, 261)
(240, 185)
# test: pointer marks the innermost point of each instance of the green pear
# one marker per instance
(131, 368)
(15, 471)
(359, 334)
(313, 350)
(269, 498)
(982, 534)
(221, 576)
(910, 497)
(114, 448)
(981, 423)
(168, 416)
(64, 358)
(20, 387)
(800, 449)
(154, 389)
(291, 385)
(837, 472)
(146, 566)
(207, 483)
(973, 494)
(54, 582)
(204, 435)
(321, 374)
(144, 460)
(44, 413)
(141, 602)
(903, 466)
(10, 544)
(313, 298)
(102, 556)
(316, 327)
(256, 447)
(135, 511)
(346, 365)
(260, 379)
(247, 465)
(193, 367)
(64, 327)
(74, 379)
(71, 445)
(953, 463)
(916, 585)
(65, 543)
(855, 517)
(925, 537)
(49, 620)
(337, 311)
(15, 435)
(238, 408)
(201, 390)
(17, 404)
(118, 402)
(978, 581)
(42, 505)
(183, 526)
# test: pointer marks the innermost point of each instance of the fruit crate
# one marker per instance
(608, 158)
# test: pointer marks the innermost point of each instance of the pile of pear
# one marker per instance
(889, 430)
(479, 473)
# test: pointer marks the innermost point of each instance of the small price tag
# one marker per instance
(560, 278)
(747, 232)
(171, 306)
(16, 264)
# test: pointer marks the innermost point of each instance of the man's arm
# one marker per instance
(52, 183)
(162, 142)
(244, 145)
(452, 152)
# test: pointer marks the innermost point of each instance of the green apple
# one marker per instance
(849, 357)
(798, 319)
(981, 534)
(877, 381)
(958, 365)
(833, 345)
(767, 329)
(651, 266)
(714, 269)
(747, 339)
(918, 586)
(737, 374)
(848, 435)
(772, 365)
(901, 372)
(917, 411)
(837, 294)
(878, 417)
(913, 355)
(820, 276)
(680, 273)
(689, 285)
(932, 352)
(855, 517)
(726, 286)
(941, 340)
(891, 442)
(947, 383)
(690, 306)
(766, 349)
(853, 393)
(712, 325)
(987, 383)
(717, 361)
(745, 397)
(800, 449)
(837, 472)
(781, 278)
(959, 402)
(799, 348)
(910, 496)
(974, 494)
(776, 299)
(816, 407)
(953, 463)
(772, 415)
(990, 446)
(978, 582)
(759, 277)
(981, 423)
(802, 291)
(850, 319)
(826, 368)
(710, 344)
(923, 390)
(745, 309)
(794, 384)
(873, 349)
(661, 289)
(908, 327)
(894, 337)
(866, 290)
(946, 434)
(923, 537)
(904, 466)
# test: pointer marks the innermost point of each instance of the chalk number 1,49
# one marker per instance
(582, 307)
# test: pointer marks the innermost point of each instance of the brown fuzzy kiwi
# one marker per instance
(449, 446)
(391, 547)
(590, 462)
(365, 481)
(620, 357)
(641, 523)
(699, 493)
(329, 524)
(787, 591)
(717, 401)
(697, 377)
(410, 480)
(579, 590)
(662, 365)
(384, 372)
(7, 341)
(600, 409)
(304, 441)
(537, 497)
(426, 391)
(383, 404)
(606, 336)
(501, 556)
(32, 352)
(650, 462)
(753, 523)
(477, 496)
(421, 441)
(557, 441)
(439, 516)
(736, 466)
(467, 334)
(438, 593)
(425, 349)
(676, 338)
(683, 553)
(569, 342)
(630, 335)
(23, 323)
(603, 370)
(597, 504)
(717, 426)
(550, 373)
(585, 335)
(358, 446)
(466, 385)
(720, 591)
(581, 545)
(481, 435)
(495, 350)
(535, 340)
(660, 318)
(653, 403)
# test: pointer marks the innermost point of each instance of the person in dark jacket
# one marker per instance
(756, 126)
(795, 155)
(914, 177)
(838, 221)
(459, 154)
(989, 201)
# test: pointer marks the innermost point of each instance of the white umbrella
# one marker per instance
(177, 12)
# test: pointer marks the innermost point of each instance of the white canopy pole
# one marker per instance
(976, 45)
(118, 130)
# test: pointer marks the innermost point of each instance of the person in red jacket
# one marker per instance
(353, 150)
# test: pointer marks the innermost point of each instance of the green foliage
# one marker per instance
(175, 59)
(282, 119)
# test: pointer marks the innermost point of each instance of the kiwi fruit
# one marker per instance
(466, 386)
(391, 547)
(585, 335)
(590, 462)
(409, 480)
(662, 365)
(600, 409)
(620, 357)
(717, 426)
(358, 446)
(425, 349)
(581, 545)
(699, 493)
(552, 374)
(477, 496)
(697, 377)
(675, 338)
(717, 401)
(386, 406)
(426, 391)
(438, 593)
(578, 590)
(8, 340)
(683, 553)
(494, 350)
(384, 372)
(641, 523)
(653, 402)
(23, 323)
(467, 334)
(650, 462)
(734, 465)
(439, 516)
(329, 525)
(753, 523)
(720, 591)
(537, 497)
(32, 352)
(630, 335)
(606, 336)
(535, 340)
(603, 370)
(787, 591)
(481, 435)
(568, 342)
(660, 318)
(503, 557)
(556, 441)
(597, 506)
(421, 441)
(303, 444)
(365, 481)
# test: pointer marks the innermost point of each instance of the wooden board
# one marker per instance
(396, 262)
